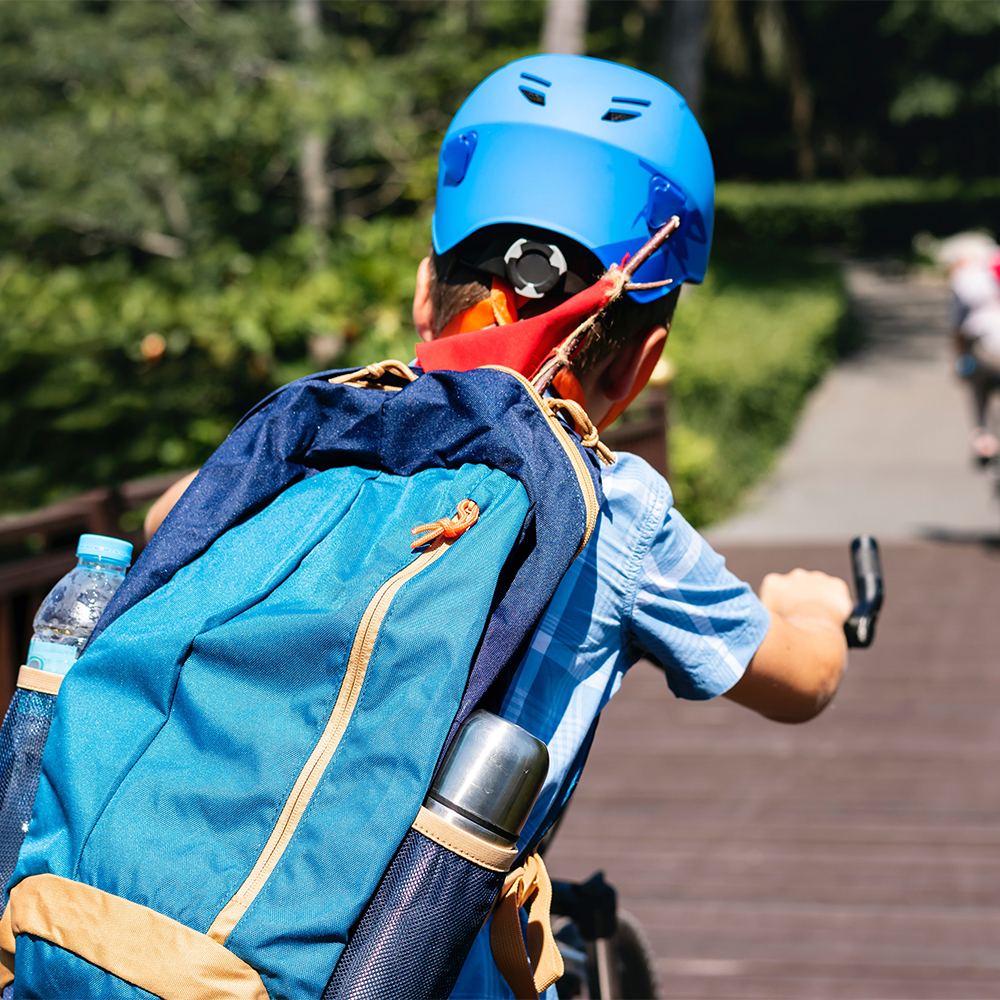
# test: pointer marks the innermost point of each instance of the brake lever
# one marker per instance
(867, 566)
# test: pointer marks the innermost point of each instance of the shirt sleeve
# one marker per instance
(690, 614)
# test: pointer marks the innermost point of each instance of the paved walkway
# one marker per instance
(883, 446)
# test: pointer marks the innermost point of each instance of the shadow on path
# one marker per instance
(950, 537)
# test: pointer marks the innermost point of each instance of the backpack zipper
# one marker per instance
(310, 775)
(572, 452)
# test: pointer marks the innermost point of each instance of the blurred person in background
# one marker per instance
(973, 264)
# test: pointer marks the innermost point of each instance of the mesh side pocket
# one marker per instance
(22, 740)
(416, 931)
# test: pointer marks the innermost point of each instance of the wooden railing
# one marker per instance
(54, 530)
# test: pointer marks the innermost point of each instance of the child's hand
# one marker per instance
(797, 668)
(807, 594)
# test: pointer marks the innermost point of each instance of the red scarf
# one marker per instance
(472, 339)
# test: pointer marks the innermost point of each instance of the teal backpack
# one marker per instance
(231, 791)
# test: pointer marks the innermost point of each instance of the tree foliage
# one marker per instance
(904, 87)
(155, 279)
(156, 274)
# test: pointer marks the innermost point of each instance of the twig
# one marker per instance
(563, 355)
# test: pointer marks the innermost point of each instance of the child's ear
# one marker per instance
(619, 377)
(423, 309)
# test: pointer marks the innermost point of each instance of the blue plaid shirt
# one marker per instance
(647, 585)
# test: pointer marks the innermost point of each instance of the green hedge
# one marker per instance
(747, 346)
(750, 343)
(81, 403)
(873, 215)
(81, 406)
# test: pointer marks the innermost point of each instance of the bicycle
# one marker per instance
(605, 950)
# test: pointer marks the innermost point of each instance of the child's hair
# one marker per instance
(456, 286)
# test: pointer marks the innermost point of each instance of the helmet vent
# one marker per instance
(641, 101)
(620, 116)
(536, 79)
(532, 95)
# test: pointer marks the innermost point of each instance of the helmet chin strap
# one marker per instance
(499, 309)
(568, 386)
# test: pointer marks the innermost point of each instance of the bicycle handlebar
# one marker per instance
(860, 627)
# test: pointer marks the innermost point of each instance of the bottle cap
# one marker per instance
(105, 548)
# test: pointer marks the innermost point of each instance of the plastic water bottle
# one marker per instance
(62, 627)
(69, 614)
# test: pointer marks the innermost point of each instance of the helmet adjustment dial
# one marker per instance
(534, 269)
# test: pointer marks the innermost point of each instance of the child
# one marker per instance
(971, 260)
(553, 169)
(549, 198)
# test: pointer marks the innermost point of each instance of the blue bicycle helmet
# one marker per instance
(597, 152)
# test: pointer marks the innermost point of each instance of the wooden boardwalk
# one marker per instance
(857, 856)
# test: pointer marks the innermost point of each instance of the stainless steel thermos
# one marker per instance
(490, 778)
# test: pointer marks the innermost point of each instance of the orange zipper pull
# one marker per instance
(450, 527)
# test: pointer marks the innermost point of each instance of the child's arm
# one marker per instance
(162, 507)
(797, 667)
